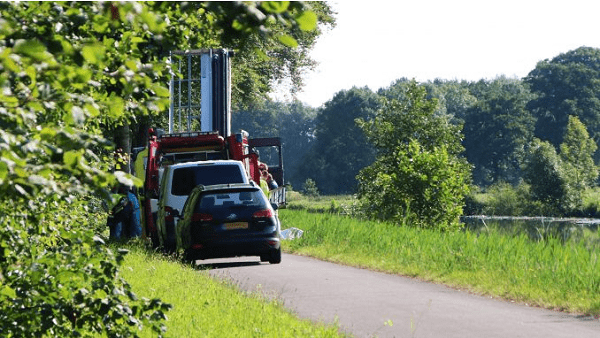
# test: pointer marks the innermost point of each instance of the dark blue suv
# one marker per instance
(229, 220)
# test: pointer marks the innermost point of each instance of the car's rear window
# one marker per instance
(212, 202)
(185, 179)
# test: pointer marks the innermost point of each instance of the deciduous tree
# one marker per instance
(419, 177)
(550, 180)
(577, 152)
(293, 122)
(340, 149)
(566, 85)
(497, 130)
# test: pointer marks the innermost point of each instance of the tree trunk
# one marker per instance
(122, 139)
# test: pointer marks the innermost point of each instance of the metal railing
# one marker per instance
(277, 196)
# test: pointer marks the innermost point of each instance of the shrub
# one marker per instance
(506, 200)
(419, 177)
(550, 180)
(309, 188)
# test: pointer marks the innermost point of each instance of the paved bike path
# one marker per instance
(365, 303)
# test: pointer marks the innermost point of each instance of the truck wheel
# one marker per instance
(275, 257)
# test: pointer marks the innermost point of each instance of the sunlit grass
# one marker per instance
(205, 307)
(547, 273)
(324, 203)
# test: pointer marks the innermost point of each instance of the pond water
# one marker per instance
(536, 227)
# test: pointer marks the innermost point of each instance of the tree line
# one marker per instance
(541, 131)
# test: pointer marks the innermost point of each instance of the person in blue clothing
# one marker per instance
(125, 218)
(135, 219)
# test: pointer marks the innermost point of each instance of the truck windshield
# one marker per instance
(185, 179)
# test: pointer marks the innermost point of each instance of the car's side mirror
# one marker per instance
(275, 205)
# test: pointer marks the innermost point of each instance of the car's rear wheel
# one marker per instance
(189, 256)
(275, 257)
(170, 243)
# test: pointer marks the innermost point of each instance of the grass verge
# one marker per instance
(549, 274)
(336, 204)
(205, 307)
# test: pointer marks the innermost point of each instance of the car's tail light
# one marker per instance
(169, 217)
(201, 217)
(266, 213)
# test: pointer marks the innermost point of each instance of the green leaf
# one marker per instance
(93, 54)
(160, 91)
(261, 54)
(36, 106)
(275, 6)
(101, 27)
(47, 134)
(8, 62)
(30, 71)
(33, 48)
(116, 106)
(21, 172)
(8, 292)
(307, 20)
(149, 19)
(92, 110)
(131, 64)
(237, 25)
(71, 158)
(288, 40)
(3, 171)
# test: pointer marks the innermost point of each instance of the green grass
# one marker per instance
(549, 274)
(337, 203)
(206, 307)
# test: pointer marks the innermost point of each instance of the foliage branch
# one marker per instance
(68, 72)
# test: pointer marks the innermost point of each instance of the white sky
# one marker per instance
(376, 42)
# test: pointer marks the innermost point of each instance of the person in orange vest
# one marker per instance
(264, 173)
